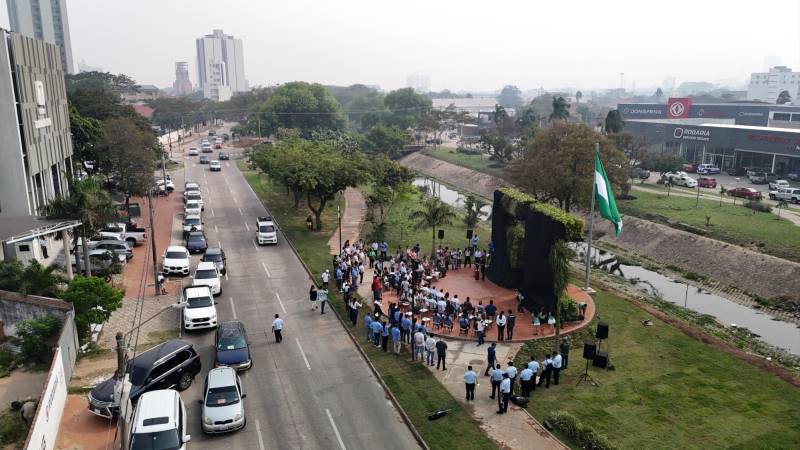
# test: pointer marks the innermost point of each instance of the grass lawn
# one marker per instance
(414, 386)
(730, 223)
(13, 430)
(481, 162)
(669, 390)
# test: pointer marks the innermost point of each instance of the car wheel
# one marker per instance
(185, 381)
(771, 197)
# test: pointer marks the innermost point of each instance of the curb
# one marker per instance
(395, 402)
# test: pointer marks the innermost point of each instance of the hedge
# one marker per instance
(573, 224)
(585, 436)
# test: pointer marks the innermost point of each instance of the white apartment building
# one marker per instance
(220, 66)
(45, 20)
(766, 86)
(182, 85)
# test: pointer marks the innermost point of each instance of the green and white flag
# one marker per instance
(604, 196)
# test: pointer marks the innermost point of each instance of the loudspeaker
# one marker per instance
(589, 350)
(600, 360)
(519, 401)
(441, 234)
(602, 330)
(548, 425)
(469, 234)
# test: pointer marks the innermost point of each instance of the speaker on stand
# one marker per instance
(601, 357)
(589, 354)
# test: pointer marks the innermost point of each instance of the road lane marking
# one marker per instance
(233, 308)
(212, 211)
(226, 275)
(254, 244)
(260, 438)
(240, 212)
(280, 302)
(269, 275)
(247, 226)
(303, 353)
(216, 230)
(333, 424)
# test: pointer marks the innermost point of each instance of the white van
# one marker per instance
(159, 421)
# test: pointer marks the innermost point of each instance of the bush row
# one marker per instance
(586, 437)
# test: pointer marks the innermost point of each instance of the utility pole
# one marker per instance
(120, 355)
(156, 281)
(339, 219)
(119, 391)
(164, 171)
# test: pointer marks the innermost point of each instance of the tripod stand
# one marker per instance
(586, 377)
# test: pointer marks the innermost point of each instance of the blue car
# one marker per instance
(232, 346)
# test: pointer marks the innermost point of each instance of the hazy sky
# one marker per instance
(459, 44)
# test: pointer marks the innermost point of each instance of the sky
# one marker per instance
(462, 45)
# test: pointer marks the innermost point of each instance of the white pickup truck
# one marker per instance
(130, 233)
(791, 195)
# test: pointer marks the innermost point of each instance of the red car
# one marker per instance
(690, 168)
(744, 192)
(707, 182)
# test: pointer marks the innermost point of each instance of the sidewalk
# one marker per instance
(355, 209)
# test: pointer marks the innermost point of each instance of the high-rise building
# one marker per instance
(182, 85)
(220, 66)
(420, 83)
(34, 125)
(45, 20)
(767, 86)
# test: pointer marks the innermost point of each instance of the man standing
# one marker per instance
(564, 352)
(525, 381)
(534, 366)
(491, 310)
(419, 346)
(490, 357)
(510, 321)
(441, 352)
(479, 327)
(322, 298)
(497, 377)
(376, 332)
(501, 326)
(505, 394)
(430, 349)
(556, 367)
(396, 339)
(368, 325)
(405, 331)
(326, 276)
(511, 371)
(470, 379)
(277, 327)
(474, 241)
(339, 275)
(547, 370)
(384, 336)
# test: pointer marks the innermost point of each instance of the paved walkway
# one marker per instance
(355, 209)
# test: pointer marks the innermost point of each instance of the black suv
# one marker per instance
(173, 364)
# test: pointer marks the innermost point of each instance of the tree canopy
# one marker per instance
(385, 140)
(408, 109)
(560, 109)
(304, 106)
(613, 122)
(93, 299)
(510, 97)
(131, 155)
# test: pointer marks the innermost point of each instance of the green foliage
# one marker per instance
(614, 122)
(307, 107)
(88, 202)
(583, 434)
(515, 237)
(783, 98)
(36, 337)
(385, 140)
(131, 153)
(408, 109)
(758, 206)
(33, 279)
(560, 109)
(100, 81)
(86, 133)
(472, 210)
(568, 309)
(559, 260)
(572, 224)
(12, 429)
(93, 299)
(510, 97)
(662, 162)
(432, 214)
(8, 362)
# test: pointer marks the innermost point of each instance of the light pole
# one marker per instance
(156, 281)
(339, 220)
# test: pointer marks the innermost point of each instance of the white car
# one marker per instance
(266, 231)
(207, 274)
(194, 151)
(192, 223)
(191, 186)
(194, 195)
(192, 208)
(214, 166)
(175, 260)
(159, 421)
(199, 311)
(779, 184)
(223, 407)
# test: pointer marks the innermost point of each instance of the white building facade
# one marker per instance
(45, 20)
(220, 66)
(182, 85)
(767, 86)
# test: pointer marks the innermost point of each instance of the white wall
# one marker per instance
(44, 432)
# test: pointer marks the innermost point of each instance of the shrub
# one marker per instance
(586, 437)
(569, 309)
(469, 150)
(515, 236)
(758, 206)
(36, 336)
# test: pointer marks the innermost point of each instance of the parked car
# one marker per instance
(217, 145)
(794, 176)
(224, 156)
(206, 274)
(101, 236)
(758, 177)
(778, 184)
(194, 151)
(745, 192)
(789, 194)
(232, 346)
(175, 260)
(217, 256)
(223, 407)
(215, 166)
(266, 231)
(130, 232)
(640, 173)
(199, 310)
(690, 168)
(159, 422)
(194, 195)
(190, 186)
(707, 182)
(204, 159)
(192, 208)
(707, 169)
(99, 259)
(118, 247)
(196, 242)
(174, 363)
(212, 133)
(192, 223)
(679, 179)
(737, 171)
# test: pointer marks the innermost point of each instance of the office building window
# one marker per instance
(784, 117)
(795, 117)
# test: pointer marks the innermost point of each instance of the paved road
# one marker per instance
(312, 391)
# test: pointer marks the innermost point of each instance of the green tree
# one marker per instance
(783, 98)
(782, 204)
(578, 96)
(659, 94)
(408, 109)
(472, 211)
(36, 279)
(37, 338)
(510, 97)
(86, 133)
(559, 261)
(498, 142)
(10, 275)
(87, 202)
(560, 109)
(131, 154)
(101, 81)
(307, 107)
(662, 162)
(434, 213)
(386, 140)
(176, 112)
(93, 299)
(614, 123)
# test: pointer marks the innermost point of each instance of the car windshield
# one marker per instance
(222, 396)
(212, 257)
(177, 255)
(205, 274)
(197, 238)
(266, 229)
(159, 440)
(192, 205)
(200, 302)
(231, 343)
(192, 221)
(193, 196)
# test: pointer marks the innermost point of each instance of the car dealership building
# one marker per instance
(729, 135)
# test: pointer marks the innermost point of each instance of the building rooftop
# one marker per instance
(25, 227)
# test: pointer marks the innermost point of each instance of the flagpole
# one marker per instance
(591, 227)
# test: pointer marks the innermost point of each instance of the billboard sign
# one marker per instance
(678, 107)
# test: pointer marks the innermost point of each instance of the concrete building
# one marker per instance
(182, 85)
(767, 86)
(45, 20)
(420, 83)
(220, 66)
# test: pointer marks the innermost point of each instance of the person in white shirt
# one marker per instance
(505, 395)
(501, 326)
(430, 349)
(419, 346)
(533, 364)
(441, 304)
(525, 381)
(556, 366)
(326, 276)
(277, 327)
(470, 380)
(480, 327)
(511, 370)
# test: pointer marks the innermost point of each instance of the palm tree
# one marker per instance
(36, 279)
(87, 202)
(560, 109)
(434, 213)
(473, 206)
(782, 204)
(559, 260)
